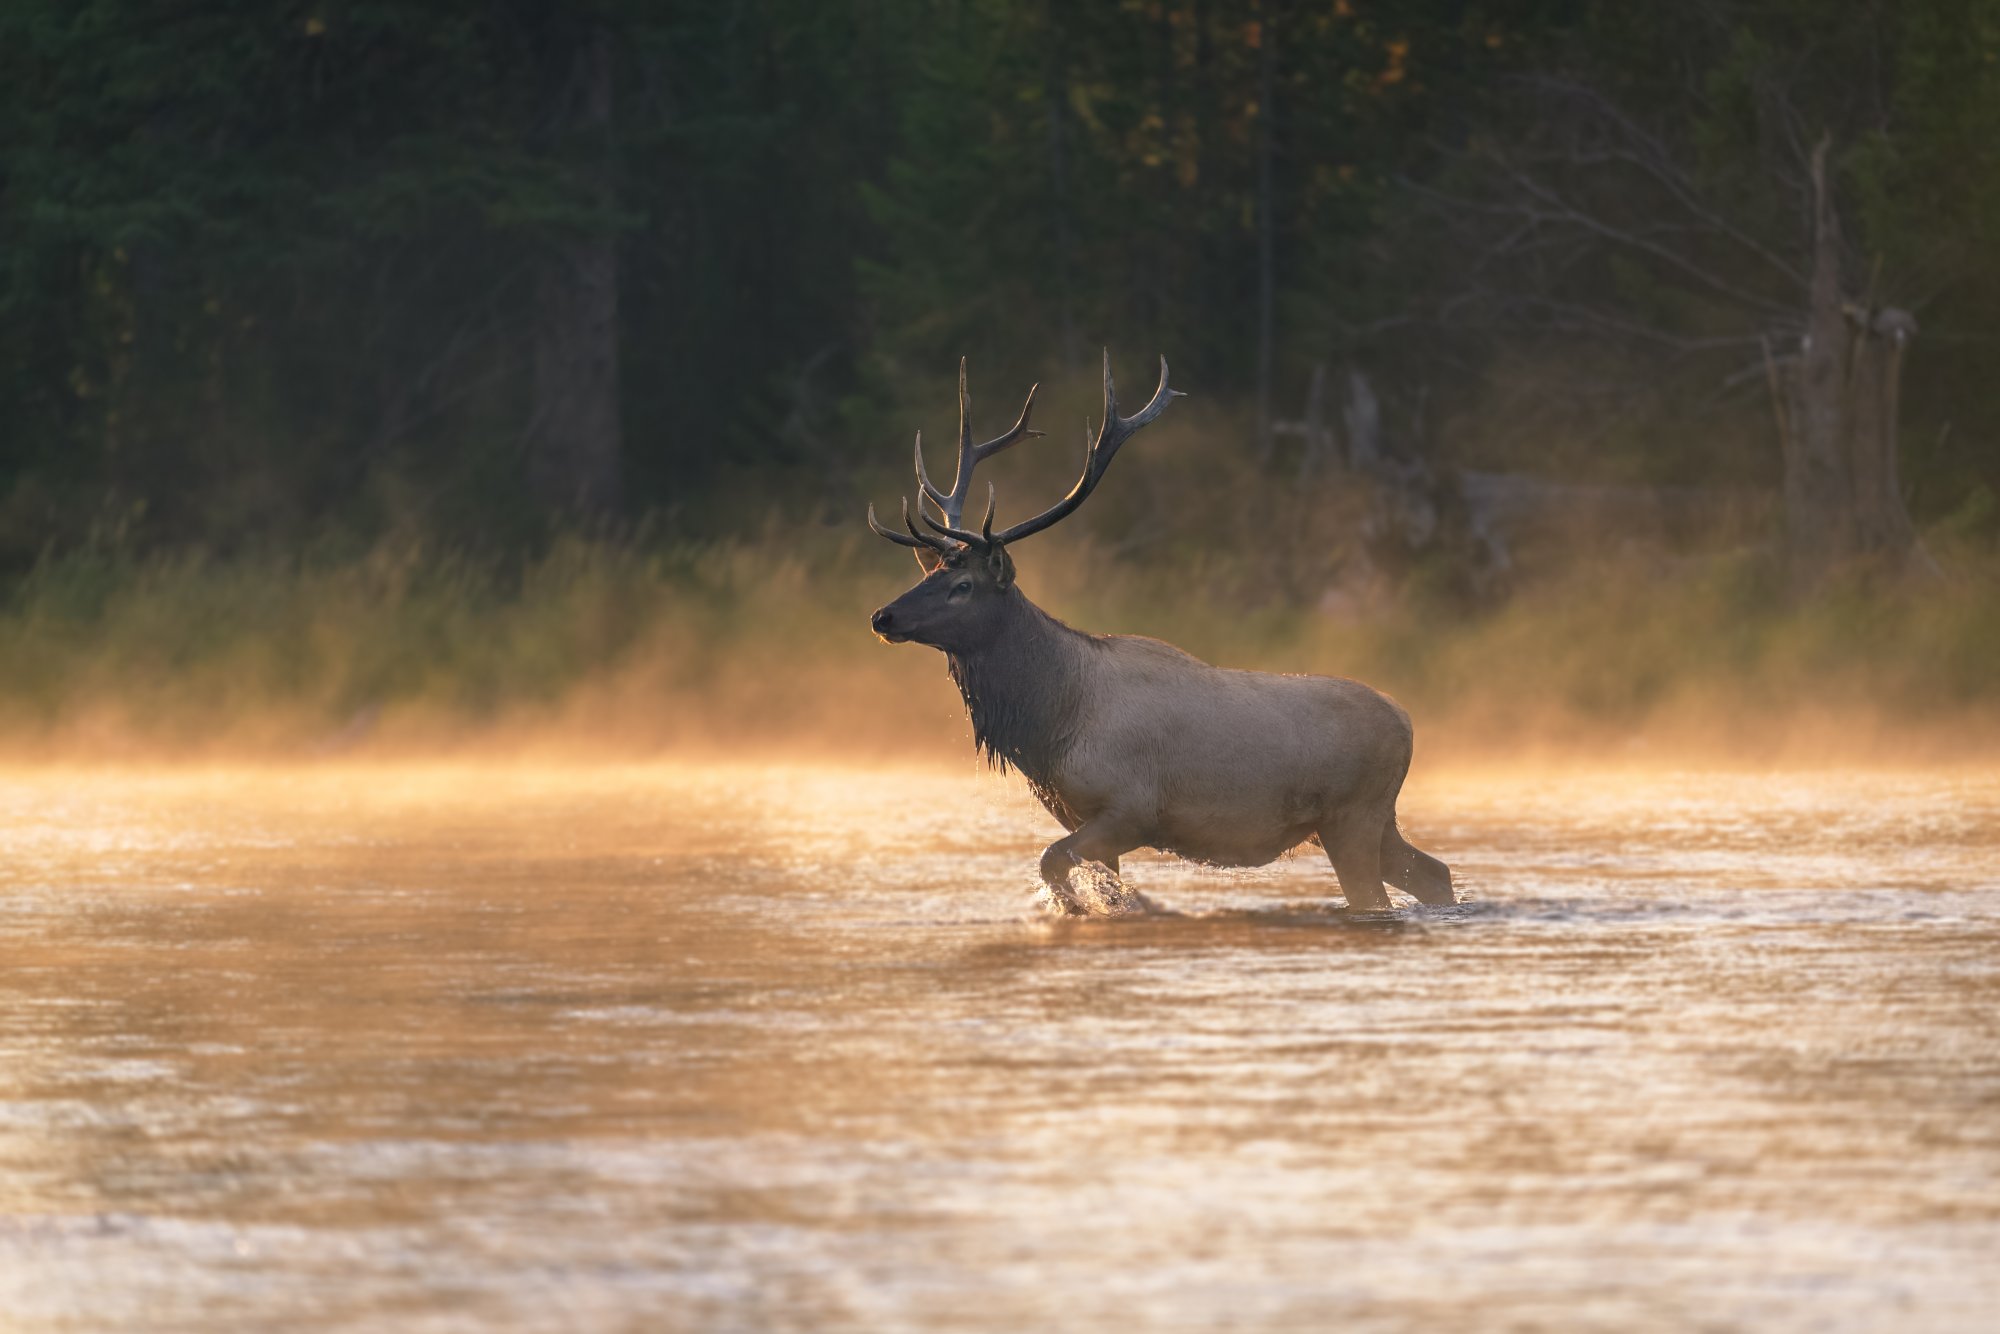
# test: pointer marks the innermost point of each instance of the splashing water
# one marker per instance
(1094, 890)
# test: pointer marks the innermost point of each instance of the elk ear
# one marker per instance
(1001, 566)
(927, 560)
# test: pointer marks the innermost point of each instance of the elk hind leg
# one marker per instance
(1353, 843)
(1414, 871)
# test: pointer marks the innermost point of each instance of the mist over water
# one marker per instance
(684, 1047)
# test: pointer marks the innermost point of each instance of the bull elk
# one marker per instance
(1130, 742)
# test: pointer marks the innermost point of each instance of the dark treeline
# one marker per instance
(272, 273)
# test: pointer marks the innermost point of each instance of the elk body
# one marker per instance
(1131, 743)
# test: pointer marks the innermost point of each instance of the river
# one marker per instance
(681, 1047)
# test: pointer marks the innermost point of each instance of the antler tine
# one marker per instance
(899, 539)
(1015, 433)
(910, 537)
(919, 542)
(966, 456)
(1126, 426)
(970, 456)
(952, 506)
(924, 483)
(1099, 451)
(930, 542)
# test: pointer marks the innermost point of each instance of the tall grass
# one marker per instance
(761, 644)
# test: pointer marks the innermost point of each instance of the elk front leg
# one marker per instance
(1104, 839)
(1353, 843)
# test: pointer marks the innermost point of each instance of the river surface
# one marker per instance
(682, 1048)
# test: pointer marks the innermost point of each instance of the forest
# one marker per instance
(433, 361)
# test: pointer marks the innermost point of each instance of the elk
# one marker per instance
(1128, 741)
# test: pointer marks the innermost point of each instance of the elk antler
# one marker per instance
(1098, 452)
(952, 504)
(1114, 431)
(919, 541)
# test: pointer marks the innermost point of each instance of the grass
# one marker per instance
(761, 645)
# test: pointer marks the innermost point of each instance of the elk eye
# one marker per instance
(962, 586)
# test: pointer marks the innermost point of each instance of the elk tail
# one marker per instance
(1414, 871)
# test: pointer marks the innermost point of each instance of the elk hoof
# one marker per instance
(1057, 863)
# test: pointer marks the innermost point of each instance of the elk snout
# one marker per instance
(883, 623)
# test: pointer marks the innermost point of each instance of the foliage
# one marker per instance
(267, 273)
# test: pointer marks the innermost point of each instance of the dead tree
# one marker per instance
(1836, 408)
(1415, 510)
(1567, 212)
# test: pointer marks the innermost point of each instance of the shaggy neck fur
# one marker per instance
(1023, 689)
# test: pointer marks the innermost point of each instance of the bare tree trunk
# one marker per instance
(1361, 418)
(1267, 60)
(1819, 520)
(1881, 521)
(1837, 422)
(575, 440)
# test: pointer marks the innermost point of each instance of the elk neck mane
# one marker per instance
(1023, 690)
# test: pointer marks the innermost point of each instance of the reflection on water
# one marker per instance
(692, 1049)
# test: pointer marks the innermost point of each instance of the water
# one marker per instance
(679, 1049)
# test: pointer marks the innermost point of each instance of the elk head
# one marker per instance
(968, 574)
